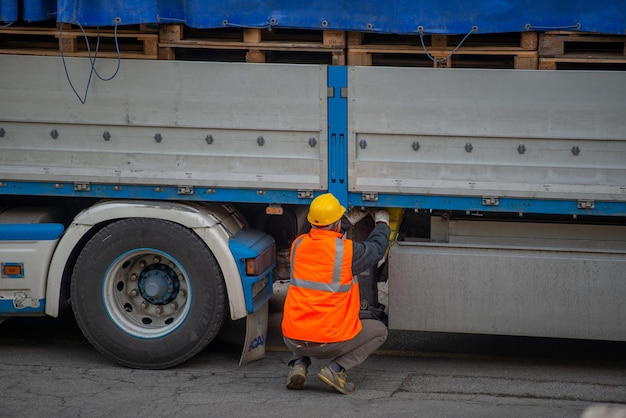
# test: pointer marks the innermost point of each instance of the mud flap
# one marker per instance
(256, 336)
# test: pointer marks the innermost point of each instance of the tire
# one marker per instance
(148, 293)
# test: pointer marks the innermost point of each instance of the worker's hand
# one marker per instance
(381, 215)
(354, 215)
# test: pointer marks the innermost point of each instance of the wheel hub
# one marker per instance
(159, 284)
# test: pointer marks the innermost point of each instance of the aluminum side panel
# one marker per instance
(179, 123)
(567, 294)
(508, 133)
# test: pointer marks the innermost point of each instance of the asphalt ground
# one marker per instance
(48, 369)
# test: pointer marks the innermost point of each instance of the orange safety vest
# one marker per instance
(323, 302)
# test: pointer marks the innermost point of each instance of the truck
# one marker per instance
(159, 198)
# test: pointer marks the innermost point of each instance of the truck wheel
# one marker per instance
(148, 293)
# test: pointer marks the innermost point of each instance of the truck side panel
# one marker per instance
(507, 290)
(163, 123)
(516, 134)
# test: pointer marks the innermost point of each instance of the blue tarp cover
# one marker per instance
(399, 16)
(28, 10)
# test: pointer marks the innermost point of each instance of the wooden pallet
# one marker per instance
(576, 50)
(482, 51)
(70, 41)
(563, 44)
(256, 44)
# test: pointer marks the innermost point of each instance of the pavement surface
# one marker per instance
(48, 369)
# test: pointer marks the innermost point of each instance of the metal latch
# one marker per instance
(82, 187)
(305, 194)
(586, 204)
(185, 189)
(491, 201)
(370, 197)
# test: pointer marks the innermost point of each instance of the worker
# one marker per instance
(321, 312)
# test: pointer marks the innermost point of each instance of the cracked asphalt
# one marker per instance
(49, 370)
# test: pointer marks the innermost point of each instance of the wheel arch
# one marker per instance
(213, 223)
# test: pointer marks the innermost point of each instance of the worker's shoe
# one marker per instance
(336, 380)
(296, 376)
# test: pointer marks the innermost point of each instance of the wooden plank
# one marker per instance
(355, 58)
(439, 41)
(355, 38)
(586, 63)
(338, 58)
(529, 41)
(170, 33)
(334, 38)
(252, 36)
(563, 44)
(254, 55)
(526, 63)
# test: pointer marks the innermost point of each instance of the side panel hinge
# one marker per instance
(370, 197)
(185, 189)
(491, 201)
(586, 204)
(305, 194)
(82, 187)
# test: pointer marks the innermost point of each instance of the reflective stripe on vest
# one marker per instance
(335, 286)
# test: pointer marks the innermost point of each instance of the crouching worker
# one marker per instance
(321, 312)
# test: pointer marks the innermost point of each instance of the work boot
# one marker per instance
(338, 381)
(296, 376)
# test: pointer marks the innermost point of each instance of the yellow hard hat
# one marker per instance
(325, 210)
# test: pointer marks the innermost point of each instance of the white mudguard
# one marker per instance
(256, 336)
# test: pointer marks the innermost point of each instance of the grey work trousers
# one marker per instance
(345, 353)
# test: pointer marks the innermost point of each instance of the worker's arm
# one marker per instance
(367, 253)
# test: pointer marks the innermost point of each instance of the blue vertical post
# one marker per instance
(338, 133)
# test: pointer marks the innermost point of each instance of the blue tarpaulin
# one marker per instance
(27, 10)
(399, 16)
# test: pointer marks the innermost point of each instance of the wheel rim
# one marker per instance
(146, 293)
